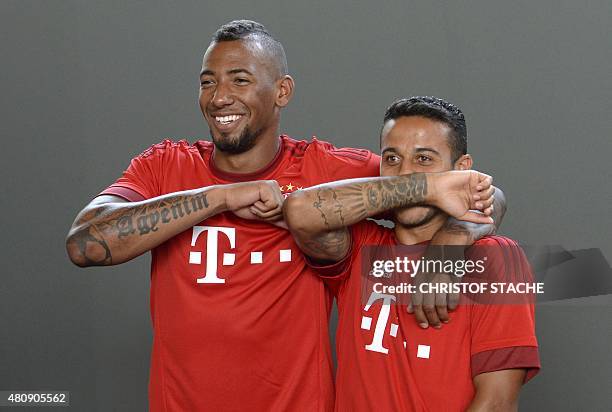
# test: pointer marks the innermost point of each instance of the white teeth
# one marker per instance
(227, 119)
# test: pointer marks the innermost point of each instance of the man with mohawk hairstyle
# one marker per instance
(239, 320)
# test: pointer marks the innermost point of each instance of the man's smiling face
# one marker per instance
(239, 84)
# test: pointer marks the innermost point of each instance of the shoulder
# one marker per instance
(495, 248)
(170, 147)
(338, 163)
(342, 153)
(321, 147)
(504, 259)
(496, 240)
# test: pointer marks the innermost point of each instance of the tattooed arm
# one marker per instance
(111, 230)
(318, 217)
(460, 232)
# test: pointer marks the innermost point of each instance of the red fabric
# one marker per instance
(128, 194)
(516, 357)
(381, 370)
(259, 341)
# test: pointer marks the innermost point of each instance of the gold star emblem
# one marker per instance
(290, 186)
(300, 188)
(281, 187)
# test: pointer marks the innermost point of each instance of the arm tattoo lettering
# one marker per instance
(146, 218)
(120, 224)
(318, 204)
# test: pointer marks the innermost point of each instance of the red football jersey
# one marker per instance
(240, 322)
(386, 362)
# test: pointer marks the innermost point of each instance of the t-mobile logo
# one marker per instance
(381, 322)
(212, 242)
(229, 259)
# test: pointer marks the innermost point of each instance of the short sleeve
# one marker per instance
(503, 334)
(141, 180)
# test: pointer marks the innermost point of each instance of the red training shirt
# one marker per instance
(386, 362)
(240, 322)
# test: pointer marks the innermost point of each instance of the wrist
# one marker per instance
(431, 194)
(218, 197)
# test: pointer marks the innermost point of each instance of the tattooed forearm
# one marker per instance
(315, 215)
(327, 200)
(318, 204)
(90, 243)
(114, 232)
(147, 218)
(401, 191)
(346, 204)
(327, 246)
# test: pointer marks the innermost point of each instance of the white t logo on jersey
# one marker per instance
(381, 322)
(211, 250)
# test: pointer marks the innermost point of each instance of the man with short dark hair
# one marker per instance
(480, 359)
(239, 320)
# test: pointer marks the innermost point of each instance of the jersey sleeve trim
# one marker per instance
(527, 340)
(126, 193)
(516, 357)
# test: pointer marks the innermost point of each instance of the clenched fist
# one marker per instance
(258, 200)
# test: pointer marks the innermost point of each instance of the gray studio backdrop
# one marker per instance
(86, 85)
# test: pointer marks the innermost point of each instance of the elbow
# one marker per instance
(500, 206)
(501, 405)
(75, 254)
(85, 251)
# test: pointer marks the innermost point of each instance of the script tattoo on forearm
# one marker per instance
(340, 207)
(119, 223)
(146, 219)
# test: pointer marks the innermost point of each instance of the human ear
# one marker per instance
(464, 162)
(285, 91)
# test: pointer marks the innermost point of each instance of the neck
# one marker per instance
(254, 159)
(410, 235)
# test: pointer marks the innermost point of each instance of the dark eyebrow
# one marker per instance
(236, 71)
(418, 150)
(427, 149)
(209, 72)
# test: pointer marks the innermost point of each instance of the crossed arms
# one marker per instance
(319, 217)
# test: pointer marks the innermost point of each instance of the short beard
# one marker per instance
(433, 212)
(244, 143)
